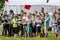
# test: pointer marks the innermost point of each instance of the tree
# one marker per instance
(1, 3)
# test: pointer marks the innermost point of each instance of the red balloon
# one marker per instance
(27, 7)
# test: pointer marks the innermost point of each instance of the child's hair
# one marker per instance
(36, 11)
(11, 11)
(22, 11)
(59, 9)
(4, 16)
(42, 8)
(5, 12)
(46, 13)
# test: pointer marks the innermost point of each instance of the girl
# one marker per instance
(29, 30)
(15, 26)
(33, 29)
(54, 24)
(24, 29)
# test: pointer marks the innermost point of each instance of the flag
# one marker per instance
(27, 7)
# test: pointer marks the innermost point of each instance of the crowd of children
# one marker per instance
(29, 24)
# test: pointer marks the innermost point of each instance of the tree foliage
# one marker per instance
(1, 3)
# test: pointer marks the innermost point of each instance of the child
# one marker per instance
(38, 25)
(54, 24)
(58, 27)
(20, 28)
(46, 24)
(0, 20)
(15, 26)
(5, 26)
(29, 30)
(33, 29)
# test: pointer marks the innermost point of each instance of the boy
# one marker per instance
(33, 29)
(5, 26)
(20, 28)
(38, 25)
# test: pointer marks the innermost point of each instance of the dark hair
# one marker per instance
(42, 8)
(59, 14)
(25, 12)
(59, 9)
(5, 16)
(22, 11)
(11, 11)
(46, 13)
(19, 15)
(36, 11)
(33, 14)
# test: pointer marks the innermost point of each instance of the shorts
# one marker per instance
(20, 27)
(34, 30)
(38, 29)
(58, 29)
(15, 30)
(5, 26)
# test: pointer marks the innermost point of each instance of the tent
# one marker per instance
(18, 5)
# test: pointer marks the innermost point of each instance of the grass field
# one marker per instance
(50, 37)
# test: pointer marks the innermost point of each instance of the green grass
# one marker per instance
(50, 37)
(37, 38)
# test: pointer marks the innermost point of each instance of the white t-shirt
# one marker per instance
(24, 18)
(38, 20)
